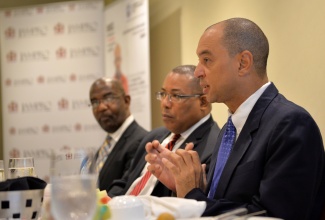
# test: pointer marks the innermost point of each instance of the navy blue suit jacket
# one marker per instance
(277, 164)
(204, 139)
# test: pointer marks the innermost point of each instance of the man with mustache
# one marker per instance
(111, 108)
(270, 154)
(186, 115)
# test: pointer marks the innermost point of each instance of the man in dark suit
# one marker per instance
(111, 108)
(276, 158)
(185, 111)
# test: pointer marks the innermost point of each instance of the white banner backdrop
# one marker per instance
(127, 53)
(50, 55)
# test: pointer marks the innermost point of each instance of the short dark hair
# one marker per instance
(241, 34)
(189, 70)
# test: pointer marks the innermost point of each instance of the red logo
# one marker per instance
(40, 79)
(78, 127)
(8, 82)
(14, 153)
(46, 128)
(61, 53)
(13, 107)
(12, 131)
(63, 104)
(65, 148)
(10, 32)
(73, 77)
(7, 13)
(11, 56)
(59, 28)
(72, 7)
(39, 10)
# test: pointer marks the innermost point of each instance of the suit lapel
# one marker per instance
(244, 139)
(142, 162)
(196, 136)
(121, 142)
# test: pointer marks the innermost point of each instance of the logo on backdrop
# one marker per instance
(13, 107)
(10, 33)
(8, 82)
(78, 127)
(12, 131)
(40, 79)
(59, 28)
(61, 53)
(46, 128)
(72, 7)
(14, 153)
(63, 104)
(8, 13)
(39, 10)
(11, 57)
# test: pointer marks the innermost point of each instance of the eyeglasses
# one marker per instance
(106, 100)
(174, 97)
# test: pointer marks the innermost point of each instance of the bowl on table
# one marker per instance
(21, 204)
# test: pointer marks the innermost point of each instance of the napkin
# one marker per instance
(178, 207)
(22, 183)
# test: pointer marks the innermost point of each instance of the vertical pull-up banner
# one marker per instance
(50, 55)
(127, 53)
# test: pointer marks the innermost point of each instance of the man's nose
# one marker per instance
(166, 101)
(101, 106)
(199, 72)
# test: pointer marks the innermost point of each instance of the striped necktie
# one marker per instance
(137, 189)
(103, 153)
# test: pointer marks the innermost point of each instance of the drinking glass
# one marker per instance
(2, 171)
(20, 167)
(73, 193)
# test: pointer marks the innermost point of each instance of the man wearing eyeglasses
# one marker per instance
(111, 108)
(186, 114)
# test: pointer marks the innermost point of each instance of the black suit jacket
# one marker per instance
(277, 164)
(119, 160)
(204, 139)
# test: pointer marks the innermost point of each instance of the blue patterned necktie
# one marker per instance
(225, 148)
(103, 153)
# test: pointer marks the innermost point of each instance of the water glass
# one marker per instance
(20, 167)
(73, 187)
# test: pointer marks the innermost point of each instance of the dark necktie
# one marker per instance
(137, 189)
(224, 151)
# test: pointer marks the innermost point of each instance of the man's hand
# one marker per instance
(180, 171)
(155, 153)
(186, 169)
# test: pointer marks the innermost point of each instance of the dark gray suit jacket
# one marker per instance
(277, 164)
(204, 139)
(119, 160)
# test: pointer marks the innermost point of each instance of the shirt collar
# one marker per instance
(241, 114)
(187, 133)
(118, 133)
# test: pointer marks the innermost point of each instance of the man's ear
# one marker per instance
(246, 62)
(203, 101)
(127, 99)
